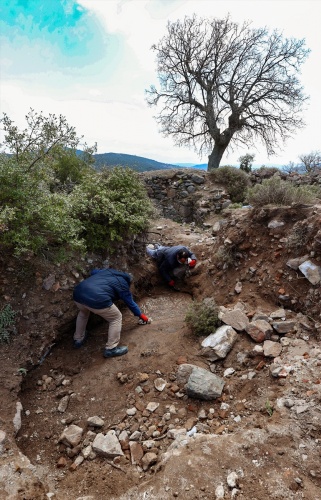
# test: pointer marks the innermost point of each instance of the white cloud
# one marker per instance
(105, 100)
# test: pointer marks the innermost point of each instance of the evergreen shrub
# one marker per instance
(202, 317)
(234, 180)
(275, 191)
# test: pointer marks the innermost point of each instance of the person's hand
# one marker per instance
(144, 320)
(171, 283)
(192, 263)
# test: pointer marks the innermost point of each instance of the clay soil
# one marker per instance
(264, 447)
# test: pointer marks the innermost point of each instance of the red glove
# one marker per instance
(192, 263)
(171, 283)
(143, 317)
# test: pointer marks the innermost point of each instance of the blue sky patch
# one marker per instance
(54, 33)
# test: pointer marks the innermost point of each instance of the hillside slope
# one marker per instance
(138, 163)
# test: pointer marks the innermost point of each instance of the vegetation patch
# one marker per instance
(275, 191)
(234, 180)
(7, 319)
(53, 201)
(202, 317)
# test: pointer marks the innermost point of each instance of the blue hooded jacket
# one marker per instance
(167, 260)
(103, 287)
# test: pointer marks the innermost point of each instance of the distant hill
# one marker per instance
(138, 163)
(200, 166)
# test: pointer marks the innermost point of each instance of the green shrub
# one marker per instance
(234, 180)
(7, 317)
(275, 191)
(234, 206)
(202, 317)
(101, 209)
(31, 217)
(111, 205)
(246, 162)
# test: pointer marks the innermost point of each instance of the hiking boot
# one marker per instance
(79, 343)
(116, 351)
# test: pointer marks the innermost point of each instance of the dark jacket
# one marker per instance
(104, 287)
(167, 260)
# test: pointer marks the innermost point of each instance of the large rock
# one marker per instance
(107, 445)
(203, 384)
(218, 344)
(236, 319)
(311, 272)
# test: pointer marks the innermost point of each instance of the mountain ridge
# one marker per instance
(143, 164)
(138, 163)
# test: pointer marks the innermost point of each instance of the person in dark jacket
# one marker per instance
(172, 262)
(97, 294)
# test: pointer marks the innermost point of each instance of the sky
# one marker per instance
(91, 61)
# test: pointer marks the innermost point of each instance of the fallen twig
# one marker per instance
(116, 466)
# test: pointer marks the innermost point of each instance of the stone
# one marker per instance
(218, 344)
(136, 452)
(107, 445)
(203, 384)
(95, 422)
(311, 272)
(71, 436)
(160, 384)
(17, 418)
(63, 404)
(259, 330)
(278, 314)
(152, 406)
(295, 263)
(272, 349)
(148, 459)
(236, 319)
(284, 326)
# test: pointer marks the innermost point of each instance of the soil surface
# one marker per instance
(245, 444)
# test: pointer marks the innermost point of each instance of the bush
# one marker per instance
(31, 217)
(234, 180)
(275, 191)
(299, 236)
(225, 255)
(202, 317)
(7, 316)
(111, 205)
(102, 208)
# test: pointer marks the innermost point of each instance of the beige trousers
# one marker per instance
(111, 314)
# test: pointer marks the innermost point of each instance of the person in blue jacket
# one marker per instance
(172, 262)
(97, 294)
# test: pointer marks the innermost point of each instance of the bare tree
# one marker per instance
(291, 168)
(311, 161)
(221, 81)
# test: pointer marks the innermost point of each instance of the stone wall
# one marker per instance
(185, 195)
(188, 195)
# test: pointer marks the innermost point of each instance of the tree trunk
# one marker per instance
(215, 157)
